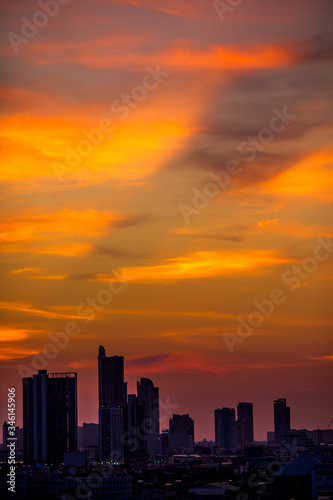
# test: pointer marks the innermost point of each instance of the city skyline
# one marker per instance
(166, 192)
(113, 368)
(118, 363)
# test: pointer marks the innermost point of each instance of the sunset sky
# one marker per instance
(173, 94)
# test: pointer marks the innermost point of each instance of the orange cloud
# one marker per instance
(147, 312)
(215, 57)
(268, 221)
(66, 250)
(130, 51)
(79, 365)
(137, 149)
(87, 222)
(13, 352)
(55, 277)
(26, 270)
(12, 335)
(321, 358)
(312, 177)
(29, 232)
(133, 150)
(27, 309)
(23, 155)
(199, 265)
(298, 229)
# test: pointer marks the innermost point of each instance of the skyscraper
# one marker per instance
(225, 428)
(244, 423)
(181, 433)
(49, 416)
(111, 433)
(148, 395)
(135, 426)
(281, 418)
(112, 389)
(62, 432)
(112, 396)
(181, 424)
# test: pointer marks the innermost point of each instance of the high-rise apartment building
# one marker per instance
(111, 434)
(49, 416)
(112, 396)
(244, 423)
(181, 433)
(281, 418)
(112, 389)
(135, 426)
(181, 424)
(148, 395)
(225, 428)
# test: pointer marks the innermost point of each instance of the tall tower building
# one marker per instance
(62, 419)
(181, 433)
(49, 416)
(281, 418)
(225, 428)
(181, 424)
(148, 395)
(111, 434)
(135, 426)
(244, 423)
(112, 396)
(112, 389)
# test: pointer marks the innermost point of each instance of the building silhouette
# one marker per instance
(181, 433)
(134, 426)
(270, 437)
(49, 416)
(111, 431)
(225, 428)
(244, 423)
(296, 441)
(281, 418)
(112, 397)
(112, 390)
(148, 395)
(181, 424)
(90, 435)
